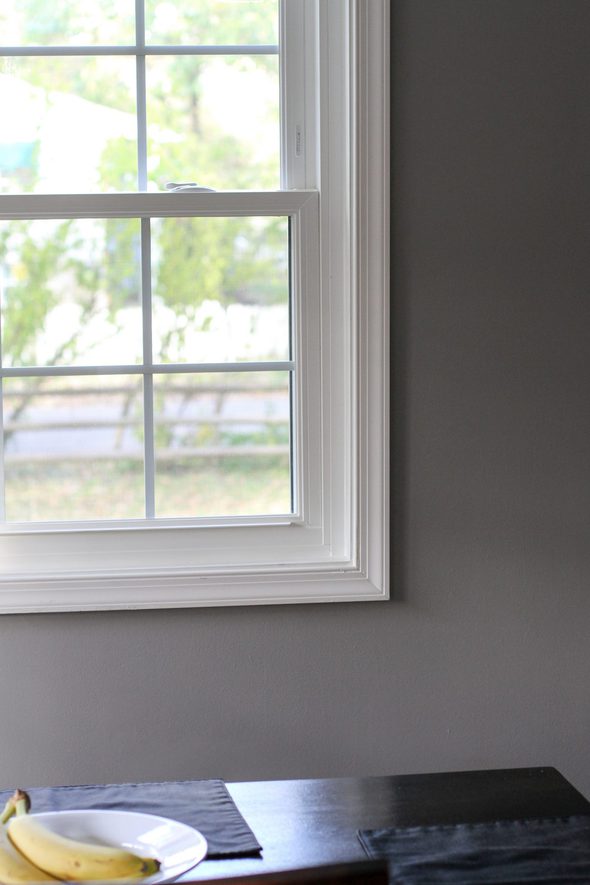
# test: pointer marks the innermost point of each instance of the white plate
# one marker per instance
(177, 846)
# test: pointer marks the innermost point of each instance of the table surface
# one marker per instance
(303, 823)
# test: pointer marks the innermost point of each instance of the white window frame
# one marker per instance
(335, 547)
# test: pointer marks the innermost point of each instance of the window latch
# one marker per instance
(188, 187)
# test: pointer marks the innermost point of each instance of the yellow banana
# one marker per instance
(69, 859)
(16, 869)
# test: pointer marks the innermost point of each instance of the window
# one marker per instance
(193, 274)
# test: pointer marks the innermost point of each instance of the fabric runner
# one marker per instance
(550, 851)
(205, 805)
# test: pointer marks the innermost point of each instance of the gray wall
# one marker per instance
(482, 657)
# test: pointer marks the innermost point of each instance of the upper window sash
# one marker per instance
(141, 51)
(298, 52)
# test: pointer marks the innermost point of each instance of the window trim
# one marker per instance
(351, 541)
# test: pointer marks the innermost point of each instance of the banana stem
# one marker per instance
(8, 810)
(18, 803)
(22, 802)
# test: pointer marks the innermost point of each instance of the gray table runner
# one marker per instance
(205, 805)
(552, 851)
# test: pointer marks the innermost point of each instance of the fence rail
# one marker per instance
(137, 388)
(161, 455)
(121, 421)
(101, 423)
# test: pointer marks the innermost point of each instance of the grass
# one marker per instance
(115, 490)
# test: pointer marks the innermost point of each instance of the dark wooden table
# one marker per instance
(303, 823)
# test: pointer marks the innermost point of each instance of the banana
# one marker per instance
(68, 859)
(16, 869)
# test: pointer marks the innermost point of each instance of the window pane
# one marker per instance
(214, 120)
(74, 448)
(68, 125)
(212, 22)
(222, 444)
(220, 289)
(66, 22)
(70, 292)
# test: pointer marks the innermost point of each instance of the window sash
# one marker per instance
(141, 51)
(302, 209)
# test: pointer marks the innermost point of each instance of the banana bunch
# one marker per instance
(30, 852)
(15, 869)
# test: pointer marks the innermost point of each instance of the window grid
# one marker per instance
(141, 101)
(149, 454)
(140, 50)
(147, 369)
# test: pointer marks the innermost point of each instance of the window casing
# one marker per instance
(333, 545)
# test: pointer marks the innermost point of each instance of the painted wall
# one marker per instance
(482, 658)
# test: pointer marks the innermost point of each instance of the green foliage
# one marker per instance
(53, 263)
(69, 21)
(214, 21)
(272, 435)
(118, 167)
(102, 80)
(30, 298)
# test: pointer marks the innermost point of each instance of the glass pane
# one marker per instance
(222, 444)
(220, 289)
(74, 448)
(212, 22)
(66, 22)
(68, 125)
(214, 120)
(70, 292)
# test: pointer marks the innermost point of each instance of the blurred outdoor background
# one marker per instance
(71, 290)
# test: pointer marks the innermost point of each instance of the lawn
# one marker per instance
(104, 489)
